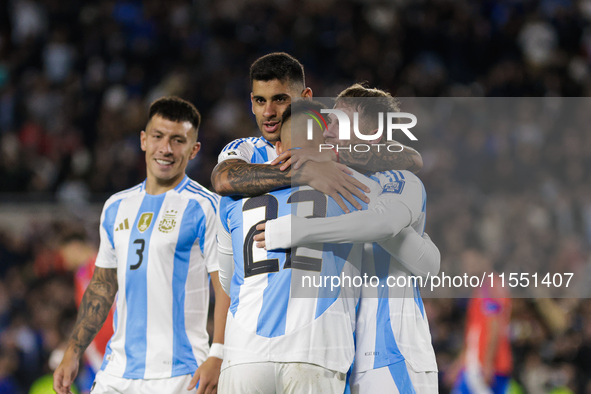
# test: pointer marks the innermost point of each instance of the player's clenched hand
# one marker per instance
(297, 157)
(333, 179)
(207, 375)
(65, 373)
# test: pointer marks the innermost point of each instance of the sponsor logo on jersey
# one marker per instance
(145, 221)
(393, 187)
(168, 221)
(232, 153)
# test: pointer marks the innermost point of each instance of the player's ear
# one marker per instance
(307, 92)
(143, 140)
(375, 140)
(252, 102)
(279, 147)
(196, 148)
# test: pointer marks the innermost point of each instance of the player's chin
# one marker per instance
(272, 137)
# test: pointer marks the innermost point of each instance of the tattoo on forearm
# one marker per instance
(383, 160)
(251, 179)
(94, 309)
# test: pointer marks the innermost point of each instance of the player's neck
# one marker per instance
(156, 187)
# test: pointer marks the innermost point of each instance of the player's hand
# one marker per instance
(260, 238)
(65, 373)
(297, 157)
(207, 375)
(334, 180)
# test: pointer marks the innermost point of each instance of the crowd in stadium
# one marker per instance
(76, 79)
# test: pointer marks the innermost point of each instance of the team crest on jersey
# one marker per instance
(232, 153)
(168, 221)
(393, 187)
(145, 221)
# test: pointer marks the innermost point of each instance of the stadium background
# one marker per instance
(76, 78)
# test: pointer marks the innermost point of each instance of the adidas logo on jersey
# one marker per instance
(124, 225)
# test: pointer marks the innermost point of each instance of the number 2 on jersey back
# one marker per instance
(271, 205)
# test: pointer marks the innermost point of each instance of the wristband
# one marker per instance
(216, 350)
(336, 152)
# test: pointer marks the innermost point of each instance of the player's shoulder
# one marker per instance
(242, 142)
(194, 190)
(398, 182)
(127, 193)
(385, 177)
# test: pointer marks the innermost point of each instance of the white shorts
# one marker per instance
(395, 378)
(280, 378)
(105, 383)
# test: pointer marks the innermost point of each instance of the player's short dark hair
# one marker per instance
(382, 100)
(301, 107)
(377, 101)
(175, 109)
(277, 65)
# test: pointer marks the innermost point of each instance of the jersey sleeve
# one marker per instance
(242, 149)
(403, 187)
(224, 246)
(106, 257)
(392, 207)
(210, 249)
(417, 253)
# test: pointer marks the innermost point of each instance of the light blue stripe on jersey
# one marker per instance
(182, 351)
(386, 349)
(424, 209)
(235, 144)
(238, 143)
(336, 254)
(401, 378)
(195, 189)
(109, 221)
(339, 255)
(273, 314)
(424, 199)
(136, 288)
(227, 209)
(419, 300)
(263, 152)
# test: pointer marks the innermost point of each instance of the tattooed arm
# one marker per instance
(96, 303)
(407, 159)
(237, 177)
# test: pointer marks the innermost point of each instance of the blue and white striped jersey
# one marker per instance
(255, 150)
(274, 315)
(163, 247)
(391, 322)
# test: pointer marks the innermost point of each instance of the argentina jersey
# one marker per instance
(255, 150)
(272, 316)
(163, 247)
(391, 322)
